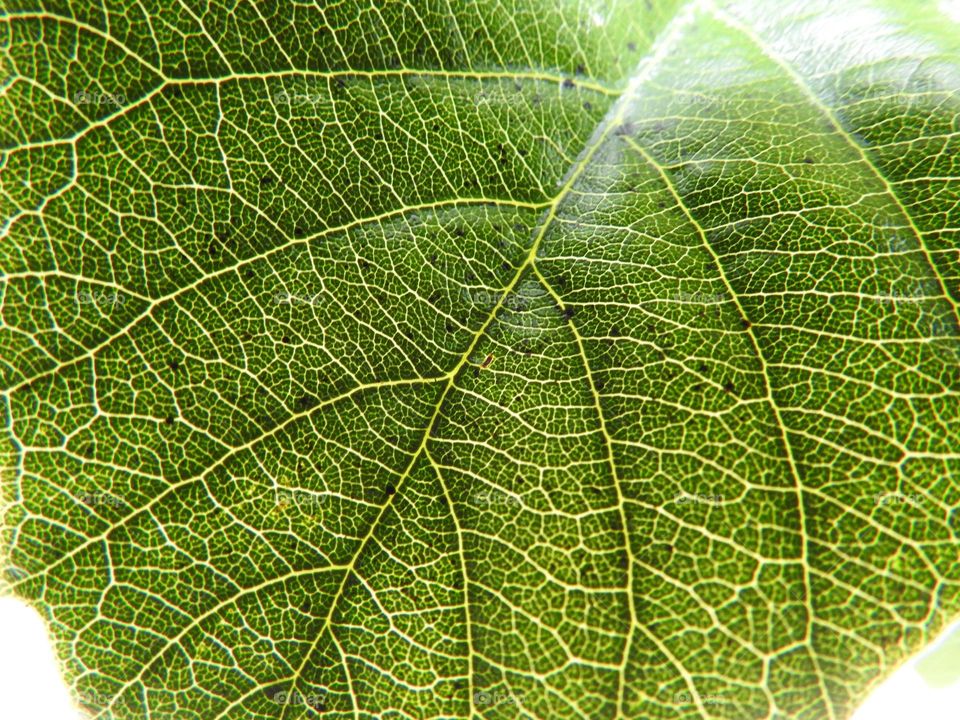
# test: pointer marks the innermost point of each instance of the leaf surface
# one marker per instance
(498, 359)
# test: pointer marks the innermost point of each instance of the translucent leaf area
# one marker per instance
(540, 359)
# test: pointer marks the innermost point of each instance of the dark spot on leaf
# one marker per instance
(746, 323)
(306, 402)
(174, 365)
(267, 180)
(728, 387)
(272, 691)
(614, 331)
(569, 83)
(808, 160)
(169, 420)
(459, 232)
(587, 106)
(390, 489)
(286, 339)
(580, 69)
(568, 312)
(632, 46)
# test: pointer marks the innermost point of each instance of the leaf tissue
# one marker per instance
(495, 359)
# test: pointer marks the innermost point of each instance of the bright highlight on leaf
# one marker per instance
(496, 359)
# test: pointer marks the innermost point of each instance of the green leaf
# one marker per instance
(490, 359)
